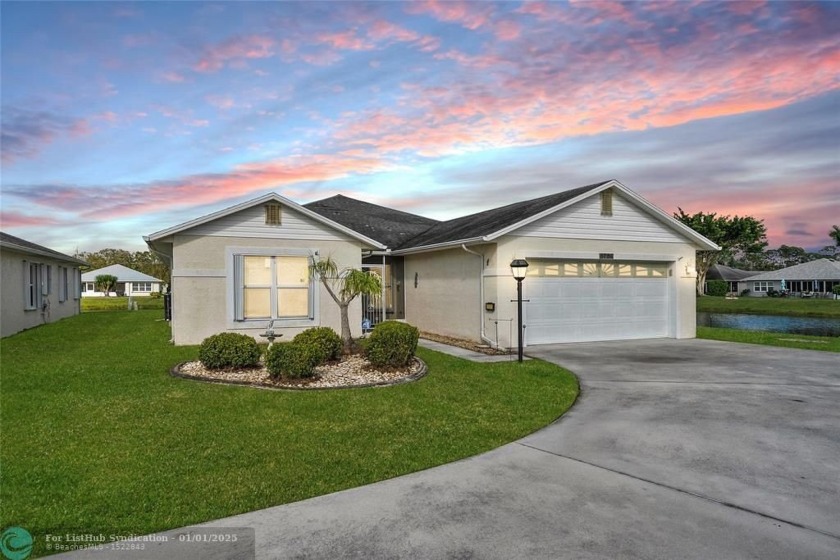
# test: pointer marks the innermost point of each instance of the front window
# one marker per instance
(761, 286)
(274, 287)
(141, 286)
(31, 285)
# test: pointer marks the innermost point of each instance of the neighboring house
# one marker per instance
(605, 264)
(732, 276)
(816, 277)
(38, 286)
(130, 282)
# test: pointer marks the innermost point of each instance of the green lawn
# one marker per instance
(96, 436)
(825, 343)
(119, 303)
(771, 306)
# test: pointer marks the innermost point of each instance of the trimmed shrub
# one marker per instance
(717, 288)
(836, 290)
(392, 344)
(323, 339)
(745, 292)
(292, 360)
(229, 350)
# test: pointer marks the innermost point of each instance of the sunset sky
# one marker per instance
(121, 119)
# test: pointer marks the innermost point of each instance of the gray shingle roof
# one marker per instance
(822, 269)
(491, 221)
(386, 225)
(123, 274)
(12, 242)
(721, 272)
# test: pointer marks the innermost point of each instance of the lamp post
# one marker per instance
(519, 267)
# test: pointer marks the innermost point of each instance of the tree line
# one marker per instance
(743, 244)
(142, 261)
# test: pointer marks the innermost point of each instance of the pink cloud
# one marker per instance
(16, 219)
(174, 77)
(220, 101)
(470, 15)
(774, 207)
(234, 50)
(507, 30)
(129, 200)
(344, 40)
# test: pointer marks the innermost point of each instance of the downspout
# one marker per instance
(481, 295)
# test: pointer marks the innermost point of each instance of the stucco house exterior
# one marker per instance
(38, 285)
(815, 278)
(605, 264)
(130, 282)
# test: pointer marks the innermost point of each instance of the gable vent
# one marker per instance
(606, 203)
(272, 214)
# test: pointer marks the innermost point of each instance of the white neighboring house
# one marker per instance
(814, 278)
(38, 285)
(130, 282)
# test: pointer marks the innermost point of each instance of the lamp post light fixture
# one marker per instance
(519, 268)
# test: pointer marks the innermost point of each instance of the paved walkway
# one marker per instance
(675, 449)
(464, 353)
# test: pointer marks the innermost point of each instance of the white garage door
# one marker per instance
(577, 301)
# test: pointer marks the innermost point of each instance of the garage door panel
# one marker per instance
(586, 309)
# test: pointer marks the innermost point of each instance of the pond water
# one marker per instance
(816, 326)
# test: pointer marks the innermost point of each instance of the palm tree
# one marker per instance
(344, 285)
(835, 235)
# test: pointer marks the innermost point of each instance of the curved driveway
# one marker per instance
(675, 449)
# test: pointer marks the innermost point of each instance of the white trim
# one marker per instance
(199, 273)
(593, 256)
(633, 197)
(270, 197)
(440, 246)
(231, 289)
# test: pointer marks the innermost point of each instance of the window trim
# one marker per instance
(32, 296)
(761, 286)
(134, 287)
(234, 294)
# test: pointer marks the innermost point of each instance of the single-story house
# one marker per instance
(732, 276)
(38, 285)
(130, 282)
(811, 278)
(605, 264)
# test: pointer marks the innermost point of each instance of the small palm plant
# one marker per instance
(105, 283)
(344, 285)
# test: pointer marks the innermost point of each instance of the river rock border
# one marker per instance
(417, 371)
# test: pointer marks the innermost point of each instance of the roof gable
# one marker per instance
(123, 274)
(492, 224)
(270, 197)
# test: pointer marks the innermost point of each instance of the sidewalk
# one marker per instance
(459, 352)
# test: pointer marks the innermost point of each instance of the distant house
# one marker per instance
(130, 282)
(38, 285)
(732, 276)
(815, 277)
(605, 264)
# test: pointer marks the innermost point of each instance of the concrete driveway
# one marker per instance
(675, 449)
